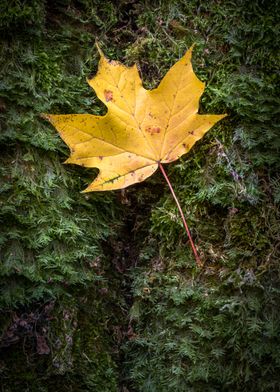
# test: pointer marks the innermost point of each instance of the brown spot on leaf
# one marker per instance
(100, 157)
(108, 95)
(191, 132)
(152, 130)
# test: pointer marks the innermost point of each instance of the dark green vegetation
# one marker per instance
(101, 292)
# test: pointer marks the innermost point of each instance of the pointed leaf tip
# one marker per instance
(45, 116)
(99, 49)
(192, 47)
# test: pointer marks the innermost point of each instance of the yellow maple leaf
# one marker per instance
(142, 128)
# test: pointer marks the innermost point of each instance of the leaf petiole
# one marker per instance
(197, 258)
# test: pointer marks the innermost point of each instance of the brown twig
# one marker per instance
(197, 258)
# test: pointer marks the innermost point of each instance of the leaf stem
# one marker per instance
(197, 258)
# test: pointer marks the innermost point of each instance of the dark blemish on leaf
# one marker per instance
(100, 157)
(191, 132)
(184, 145)
(132, 174)
(108, 95)
(152, 130)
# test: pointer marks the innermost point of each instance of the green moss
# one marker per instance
(51, 236)
(206, 330)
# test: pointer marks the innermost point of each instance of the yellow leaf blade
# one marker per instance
(120, 89)
(181, 139)
(119, 179)
(141, 128)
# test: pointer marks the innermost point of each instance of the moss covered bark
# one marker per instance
(101, 292)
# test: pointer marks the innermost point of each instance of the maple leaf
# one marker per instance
(142, 129)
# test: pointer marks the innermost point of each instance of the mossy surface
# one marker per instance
(101, 292)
